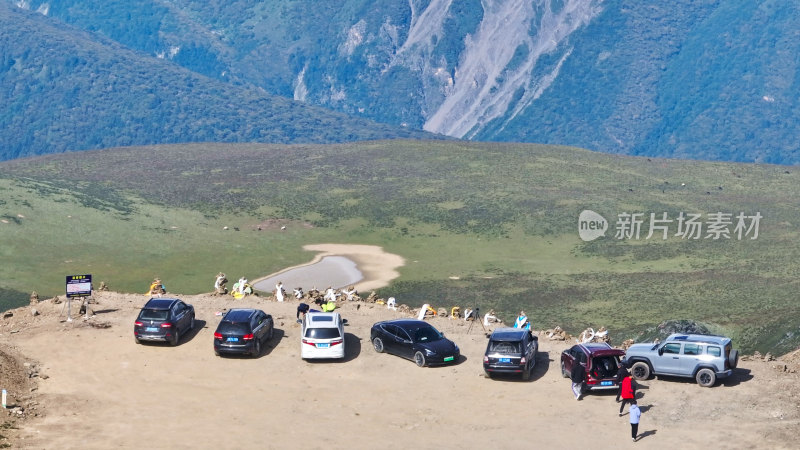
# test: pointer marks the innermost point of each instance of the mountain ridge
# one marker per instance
(73, 90)
(696, 80)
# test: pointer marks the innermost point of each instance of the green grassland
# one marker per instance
(479, 224)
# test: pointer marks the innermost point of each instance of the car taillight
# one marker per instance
(336, 342)
(306, 341)
(485, 359)
(138, 324)
(166, 325)
(248, 337)
(217, 335)
(522, 360)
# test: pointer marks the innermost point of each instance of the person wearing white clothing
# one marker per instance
(351, 293)
(422, 311)
(219, 282)
(279, 291)
(391, 303)
(635, 413)
(489, 317)
(330, 294)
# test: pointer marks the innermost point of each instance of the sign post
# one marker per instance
(77, 286)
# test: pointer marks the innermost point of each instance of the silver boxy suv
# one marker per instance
(706, 358)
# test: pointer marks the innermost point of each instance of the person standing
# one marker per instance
(622, 372)
(635, 413)
(628, 393)
(279, 291)
(577, 375)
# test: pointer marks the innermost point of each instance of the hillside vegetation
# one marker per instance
(63, 89)
(490, 225)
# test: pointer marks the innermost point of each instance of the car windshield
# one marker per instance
(154, 314)
(426, 334)
(505, 347)
(322, 333)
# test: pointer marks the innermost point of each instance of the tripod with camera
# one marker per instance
(476, 317)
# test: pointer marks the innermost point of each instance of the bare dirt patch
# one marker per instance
(278, 224)
(103, 390)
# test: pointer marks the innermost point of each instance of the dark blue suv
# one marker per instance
(163, 319)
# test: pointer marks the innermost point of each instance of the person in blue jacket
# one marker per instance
(522, 321)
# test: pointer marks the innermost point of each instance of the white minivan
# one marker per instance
(323, 336)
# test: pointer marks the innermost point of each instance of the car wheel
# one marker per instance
(640, 370)
(191, 324)
(706, 377)
(271, 333)
(526, 374)
(216, 352)
(733, 358)
(257, 350)
(175, 338)
(137, 340)
(564, 372)
(419, 358)
(377, 344)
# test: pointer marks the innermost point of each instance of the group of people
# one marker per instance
(157, 288)
(626, 394)
(239, 290)
(324, 306)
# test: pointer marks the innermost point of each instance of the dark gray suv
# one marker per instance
(163, 319)
(706, 358)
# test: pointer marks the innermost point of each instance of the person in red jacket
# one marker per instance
(628, 393)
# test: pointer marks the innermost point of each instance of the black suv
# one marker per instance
(163, 319)
(243, 331)
(511, 350)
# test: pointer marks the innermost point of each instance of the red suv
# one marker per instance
(602, 362)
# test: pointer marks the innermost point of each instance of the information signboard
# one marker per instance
(79, 286)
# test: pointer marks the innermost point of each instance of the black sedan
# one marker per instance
(163, 319)
(415, 340)
(243, 331)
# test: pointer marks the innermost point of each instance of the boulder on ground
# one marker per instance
(627, 343)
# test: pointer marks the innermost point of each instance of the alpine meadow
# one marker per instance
(490, 225)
